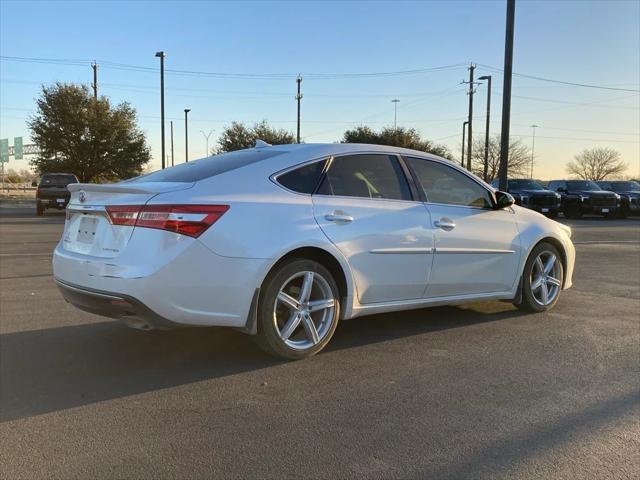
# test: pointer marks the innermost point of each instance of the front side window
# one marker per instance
(303, 179)
(368, 176)
(443, 184)
(583, 185)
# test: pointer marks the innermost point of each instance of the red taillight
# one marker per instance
(189, 220)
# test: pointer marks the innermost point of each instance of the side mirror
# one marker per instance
(34, 184)
(504, 200)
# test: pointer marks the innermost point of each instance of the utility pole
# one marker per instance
(172, 143)
(485, 171)
(472, 67)
(395, 102)
(94, 85)
(161, 56)
(298, 98)
(207, 139)
(506, 94)
(186, 135)
(533, 147)
(464, 128)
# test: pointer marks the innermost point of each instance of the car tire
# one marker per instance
(552, 215)
(286, 323)
(573, 213)
(539, 294)
(39, 209)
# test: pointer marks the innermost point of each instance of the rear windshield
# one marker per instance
(58, 179)
(207, 167)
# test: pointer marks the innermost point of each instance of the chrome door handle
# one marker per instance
(339, 217)
(445, 224)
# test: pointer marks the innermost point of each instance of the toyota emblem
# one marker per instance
(82, 196)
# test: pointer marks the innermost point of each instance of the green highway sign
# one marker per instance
(17, 148)
(4, 150)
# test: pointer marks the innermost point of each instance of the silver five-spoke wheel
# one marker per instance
(303, 310)
(546, 276)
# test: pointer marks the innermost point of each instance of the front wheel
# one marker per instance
(298, 310)
(39, 209)
(542, 279)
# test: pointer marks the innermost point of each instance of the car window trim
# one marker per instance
(274, 176)
(392, 155)
(492, 196)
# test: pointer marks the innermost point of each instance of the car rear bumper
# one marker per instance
(184, 284)
(122, 307)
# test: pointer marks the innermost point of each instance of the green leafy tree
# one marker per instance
(519, 158)
(238, 136)
(597, 164)
(90, 138)
(400, 137)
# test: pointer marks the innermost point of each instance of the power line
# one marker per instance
(562, 82)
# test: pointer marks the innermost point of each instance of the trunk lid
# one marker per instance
(88, 229)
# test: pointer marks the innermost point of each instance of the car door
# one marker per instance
(365, 208)
(477, 248)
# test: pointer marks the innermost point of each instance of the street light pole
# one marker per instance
(186, 135)
(485, 171)
(161, 56)
(172, 143)
(533, 147)
(506, 94)
(207, 138)
(298, 98)
(464, 128)
(395, 102)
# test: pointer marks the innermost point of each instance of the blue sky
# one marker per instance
(578, 41)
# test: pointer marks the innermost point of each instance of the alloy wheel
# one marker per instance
(546, 280)
(303, 311)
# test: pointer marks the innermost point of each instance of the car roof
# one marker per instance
(319, 149)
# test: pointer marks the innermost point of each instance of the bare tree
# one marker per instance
(596, 164)
(519, 158)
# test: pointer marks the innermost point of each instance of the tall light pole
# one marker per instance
(464, 129)
(395, 102)
(172, 143)
(298, 98)
(506, 94)
(472, 67)
(533, 147)
(485, 171)
(161, 56)
(206, 136)
(186, 135)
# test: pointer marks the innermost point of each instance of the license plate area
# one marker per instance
(60, 200)
(605, 210)
(87, 229)
(545, 210)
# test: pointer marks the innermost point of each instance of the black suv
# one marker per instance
(629, 192)
(52, 191)
(583, 196)
(531, 194)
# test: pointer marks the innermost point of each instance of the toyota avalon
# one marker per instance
(283, 242)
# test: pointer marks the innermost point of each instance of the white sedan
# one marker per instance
(284, 241)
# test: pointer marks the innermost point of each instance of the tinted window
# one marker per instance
(443, 184)
(58, 179)
(369, 176)
(207, 167)
(304, 179)
(624, 186)
(582, 185)
(555, 185)
(524, 185)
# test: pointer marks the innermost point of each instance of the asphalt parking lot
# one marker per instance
(481, 391)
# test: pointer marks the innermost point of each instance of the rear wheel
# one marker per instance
(572, 212)
(39, 209)
(542, 279)
(298, 310)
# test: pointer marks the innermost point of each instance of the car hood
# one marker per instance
(594, 193)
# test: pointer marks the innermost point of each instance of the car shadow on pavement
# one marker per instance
(53, 369)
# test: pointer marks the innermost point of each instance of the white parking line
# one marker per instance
(605, 242)
(26, 254)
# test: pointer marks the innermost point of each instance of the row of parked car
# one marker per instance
(575, 198)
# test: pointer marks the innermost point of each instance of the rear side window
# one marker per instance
(58, 179)
(368, 176)
(303, 179)
(207, 167)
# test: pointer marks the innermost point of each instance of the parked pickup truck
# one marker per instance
(52, 191)
(583, 196)
(629, 192)
(531, 194)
